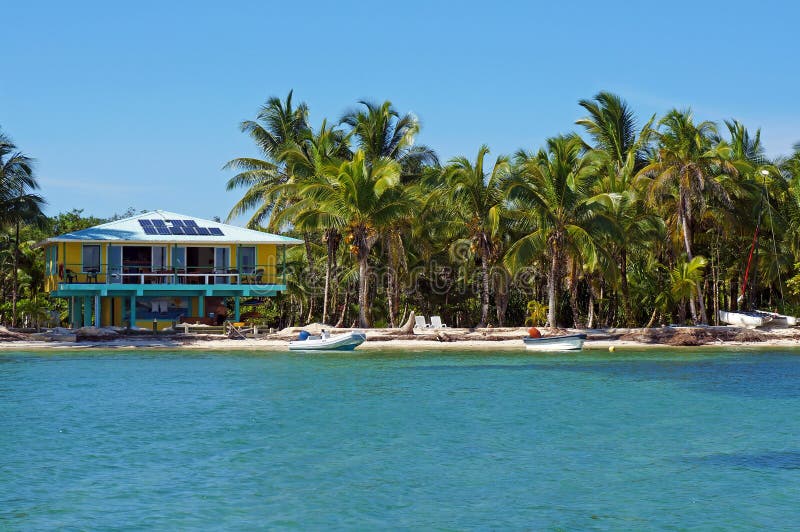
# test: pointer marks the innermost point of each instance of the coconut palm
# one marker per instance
(278, 126)
(381, 132)
(307, 161)
(478, 200)
(686, 167)
(618, 150)
(685, 278)
(551, 194)
(18, 203)
(361, 200)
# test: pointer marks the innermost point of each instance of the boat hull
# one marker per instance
(749, 320)
(780, 320)
(338, 342)
(570, 342)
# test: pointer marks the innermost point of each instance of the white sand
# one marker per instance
(450, 339)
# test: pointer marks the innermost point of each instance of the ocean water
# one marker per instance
(630, 440)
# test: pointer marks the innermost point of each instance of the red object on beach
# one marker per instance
(533, 332)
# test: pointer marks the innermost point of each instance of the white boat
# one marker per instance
(337, 342)
(749, 320)
(569, 342)
(780, 320)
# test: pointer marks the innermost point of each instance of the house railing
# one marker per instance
(126, 274)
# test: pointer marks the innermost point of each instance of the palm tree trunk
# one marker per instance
(363, 287)
(332, 242)
(573, 296)
(484, 290)
(688, 247)
(343, 314)
(626, 295)
(501, 296)
(15, 285)
(327, 287)
(312, 276)
(551, 288)
(687, 239)
(391, 281)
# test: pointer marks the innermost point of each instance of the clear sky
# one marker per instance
(137, 104)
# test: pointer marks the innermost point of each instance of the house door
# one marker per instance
(115, 264)
(222, 261)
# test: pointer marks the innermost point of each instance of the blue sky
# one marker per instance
(127, 106)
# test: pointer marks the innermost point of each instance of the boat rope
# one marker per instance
(750, 257)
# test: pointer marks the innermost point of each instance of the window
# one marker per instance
(179, 259)
(91, 258)
(247, 259)
(51, 260)
(159, 258)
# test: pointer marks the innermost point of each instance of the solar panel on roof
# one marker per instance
(150, 230)
(145, 223)
(189, 223)
(163, 230)
(176, 230)
(216, 231)
(203, 231)
(176, 223)
(190, 230)
(159, 223)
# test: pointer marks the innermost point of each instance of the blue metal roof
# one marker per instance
(164, 226)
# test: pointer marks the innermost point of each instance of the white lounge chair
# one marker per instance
(419, 322)
(436, 322)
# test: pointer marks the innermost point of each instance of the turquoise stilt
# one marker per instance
(97, 311)
(132, 320)
(236, 314)
(74, 314)
(87, 311)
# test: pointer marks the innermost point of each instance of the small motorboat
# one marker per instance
(749, 320)
(327, 342)
(567, 342)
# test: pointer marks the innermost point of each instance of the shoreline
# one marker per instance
(505, 339)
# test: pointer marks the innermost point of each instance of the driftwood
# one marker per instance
(9, 336)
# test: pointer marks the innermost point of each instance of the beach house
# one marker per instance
(160, 267)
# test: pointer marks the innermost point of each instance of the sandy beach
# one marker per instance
(456, 339)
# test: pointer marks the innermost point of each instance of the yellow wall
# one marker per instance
(70, 255)
(267, 257)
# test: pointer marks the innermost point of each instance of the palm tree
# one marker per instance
(551, 194)
(307, 161)
(685, 279)
(618, 149)
(362, 200)
(381, 132)
(18, 204)
(478, 200)
(278, 126)
(687, 162)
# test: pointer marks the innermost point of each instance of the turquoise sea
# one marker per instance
(174, 440)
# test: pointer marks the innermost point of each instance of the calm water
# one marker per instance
(95, 440)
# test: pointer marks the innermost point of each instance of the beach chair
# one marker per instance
(237, 330)
(419, 322)
(436, 322)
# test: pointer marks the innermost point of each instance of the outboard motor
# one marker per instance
(303, 335)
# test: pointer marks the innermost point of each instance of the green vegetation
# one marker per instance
(620, 223)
